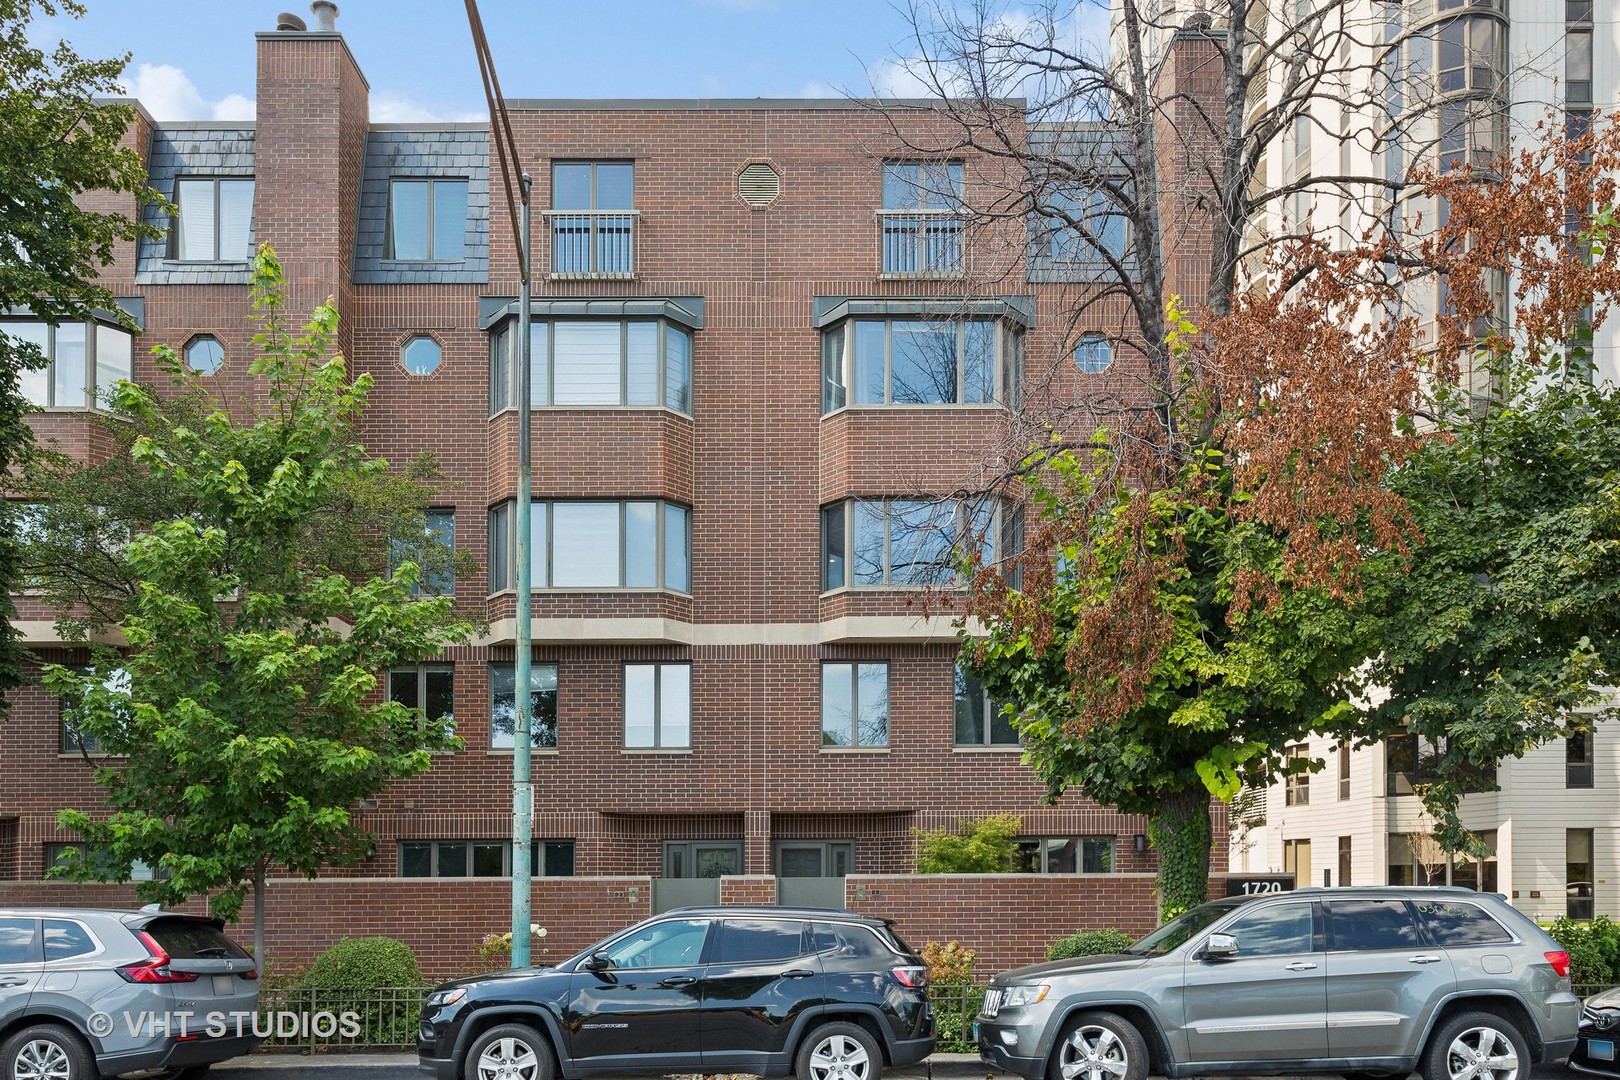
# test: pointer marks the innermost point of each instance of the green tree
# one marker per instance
(1229, 688)
(244, 715)
(57, 142)
(1502, 632)
(979, 846)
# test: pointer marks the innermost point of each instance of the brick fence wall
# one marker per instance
(1010, 919)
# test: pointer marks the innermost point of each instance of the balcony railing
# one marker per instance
(593, 243)
(920, 243)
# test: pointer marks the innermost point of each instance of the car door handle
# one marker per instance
(1423, 958)
(679, 980)
(797, 973)
(1301, 965)
(13, 982)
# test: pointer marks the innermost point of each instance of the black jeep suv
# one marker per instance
(828, 995)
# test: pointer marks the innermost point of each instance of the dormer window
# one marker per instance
(427, 220)
(213, 219)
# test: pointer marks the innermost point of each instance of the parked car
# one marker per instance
(88, 993)
(1598, 1034)
(824, 994)
(1363, 982)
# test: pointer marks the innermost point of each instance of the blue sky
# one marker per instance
(194, 59)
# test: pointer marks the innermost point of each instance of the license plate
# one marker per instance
(224, 985)
(1600, 1049)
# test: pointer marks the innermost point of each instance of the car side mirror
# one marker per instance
(597, 962)
(1220, 947)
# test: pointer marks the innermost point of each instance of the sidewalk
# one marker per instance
(935, 1067)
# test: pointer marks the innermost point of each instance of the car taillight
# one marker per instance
(254, 974)
(1559, 961)
(155, 970)
(914, 978)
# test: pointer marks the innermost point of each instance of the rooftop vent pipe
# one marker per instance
(288, 21)
(325, 13)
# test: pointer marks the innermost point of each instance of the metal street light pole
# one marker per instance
(517, 205)
(522, 777)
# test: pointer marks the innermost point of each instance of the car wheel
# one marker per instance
(839, 1052)
(510, 1052)
(1099, 1046)
(1476, 1046)
(46, 1052)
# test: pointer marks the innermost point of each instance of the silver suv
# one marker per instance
(1360, 982)
(87, 993)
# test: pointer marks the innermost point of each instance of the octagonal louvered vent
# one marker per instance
(759, 184)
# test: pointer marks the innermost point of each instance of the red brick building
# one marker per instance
(767, 344)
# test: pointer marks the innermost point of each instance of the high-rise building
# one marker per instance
(1441, 82)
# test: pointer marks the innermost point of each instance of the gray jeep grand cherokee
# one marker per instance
(1359, 982)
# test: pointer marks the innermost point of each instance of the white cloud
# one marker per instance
(169, 94)
(1083, 31)
(819, 90)
(904, 78)
(711, 86)
(388, 107)
(234, 107)
(166, 92)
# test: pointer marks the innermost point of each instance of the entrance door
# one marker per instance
(810, 873)
(692, 872)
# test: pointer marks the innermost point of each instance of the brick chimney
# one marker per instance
(313, 111)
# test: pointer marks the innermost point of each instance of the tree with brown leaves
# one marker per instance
(1196, 597)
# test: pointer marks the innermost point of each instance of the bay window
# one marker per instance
(919, 362)
(639, 544)
(913, 542)
(84, 361)
(595, 362)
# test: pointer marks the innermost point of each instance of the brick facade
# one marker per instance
(754, 459)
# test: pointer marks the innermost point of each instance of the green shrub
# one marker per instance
(1594, 949)
(345, 977)
(982, 846)
(1089, 943)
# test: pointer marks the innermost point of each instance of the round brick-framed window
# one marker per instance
(204, 354)
(421, 355)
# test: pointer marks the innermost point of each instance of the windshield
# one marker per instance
(1183, 927)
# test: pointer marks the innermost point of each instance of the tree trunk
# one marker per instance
(258, 916)
(1180, 832)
